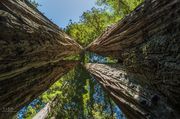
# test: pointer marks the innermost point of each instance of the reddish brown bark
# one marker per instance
(147, 43)
(136, 99)
(32, 50)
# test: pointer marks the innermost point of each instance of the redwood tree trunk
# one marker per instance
(32, 50)
(147, 42)
(137, 99)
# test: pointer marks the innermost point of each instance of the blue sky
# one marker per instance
(61, 11)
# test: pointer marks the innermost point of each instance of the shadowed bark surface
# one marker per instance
(137, 99)
(32, 52)
(147, 42)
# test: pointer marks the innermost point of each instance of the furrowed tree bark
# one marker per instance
(137, 99)
(32, 53)
(147, 43)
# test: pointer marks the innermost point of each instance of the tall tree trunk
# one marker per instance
(32, 51)
(147, 42)
(137, 99)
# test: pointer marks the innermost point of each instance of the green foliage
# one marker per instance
(99, 114)
(95, 21)
(30, 113)
(51, 93)
(73, 94)
(120, 7)
(91, 25)
(34, 3)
